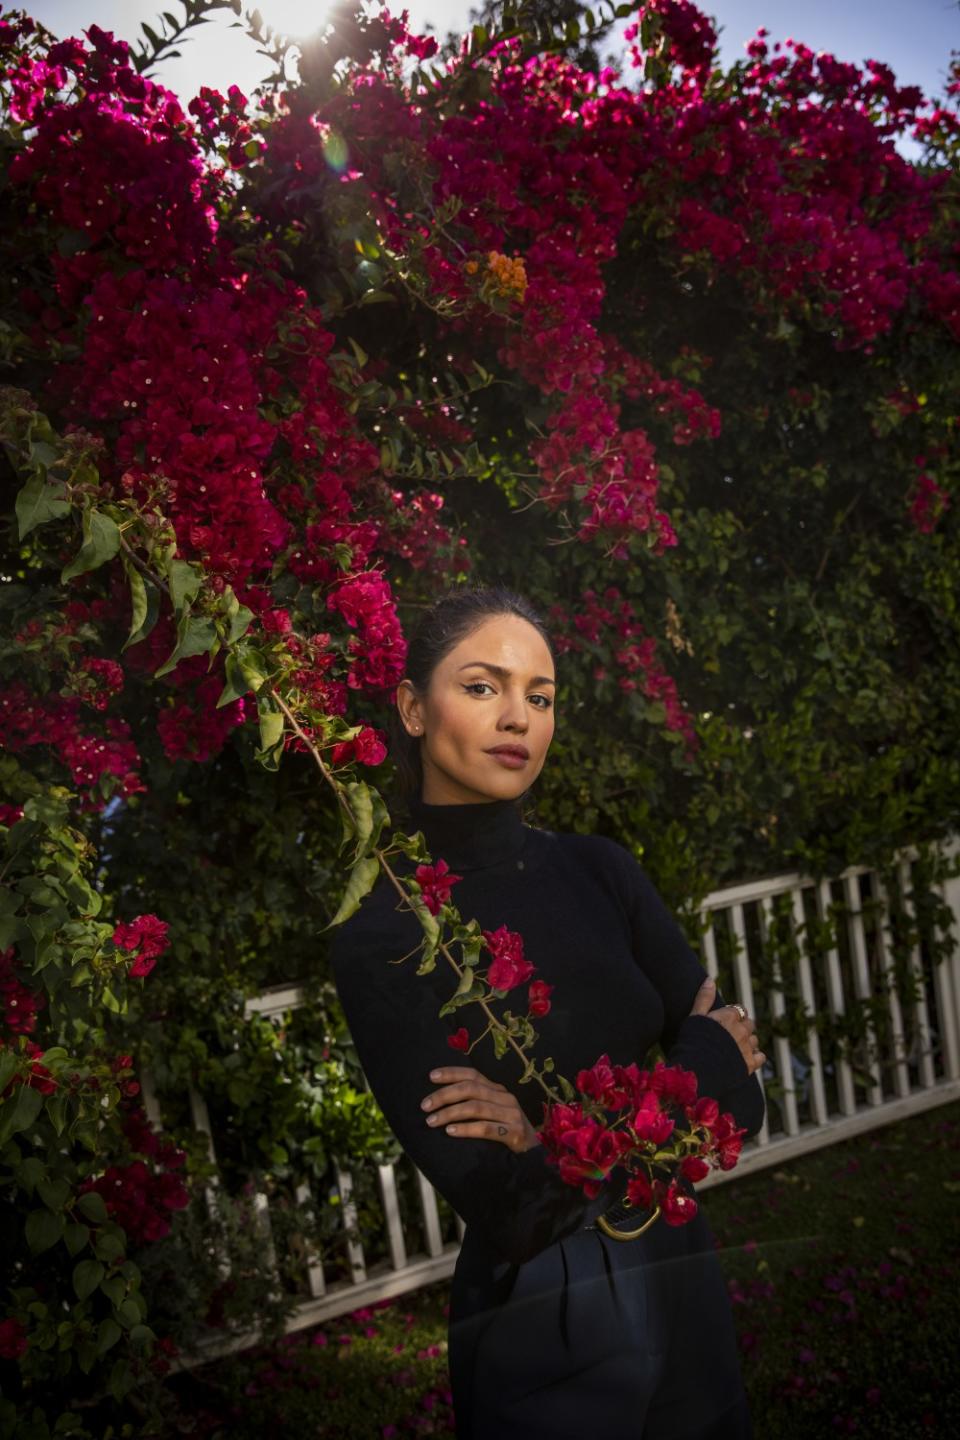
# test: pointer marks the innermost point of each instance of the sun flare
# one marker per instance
(294, 17)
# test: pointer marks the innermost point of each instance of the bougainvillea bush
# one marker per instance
(670, 348)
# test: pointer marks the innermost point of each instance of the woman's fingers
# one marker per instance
(462, 1090)
(472, 1110)
(743, 1031)
(471, 1106)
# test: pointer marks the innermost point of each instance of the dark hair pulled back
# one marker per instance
(449, 619)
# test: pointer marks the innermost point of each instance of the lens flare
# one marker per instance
(294, 18)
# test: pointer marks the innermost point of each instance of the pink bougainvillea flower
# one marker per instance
(19, 1005)
(460, 1039)
(650, 1122)
(13, 1339)
(672, 1082)
(508, 967)
(538, 997)
(435, 883)
(583, 1149)
(145, 937)
(369, 748)
(613, 1086)
(706, 1111)
(677, 1206)
(694, 1167)
(640, 1192)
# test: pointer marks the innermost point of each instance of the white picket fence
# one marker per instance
(816, 1105)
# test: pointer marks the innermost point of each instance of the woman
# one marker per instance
(558, 1329)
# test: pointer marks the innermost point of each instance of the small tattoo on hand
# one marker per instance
(502, 1129)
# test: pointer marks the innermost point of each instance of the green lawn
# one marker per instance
(843, 1271)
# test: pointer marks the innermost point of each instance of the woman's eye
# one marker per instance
(477, 687)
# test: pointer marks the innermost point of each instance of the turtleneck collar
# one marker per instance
(471, 836)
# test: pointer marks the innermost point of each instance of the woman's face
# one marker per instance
(492, 691)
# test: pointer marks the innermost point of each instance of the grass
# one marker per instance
(842, 1268)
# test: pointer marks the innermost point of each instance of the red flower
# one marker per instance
(40, 1077)
(694, 1167)
(460, 1040)
(146, 938)
(640, 1192)
(672, 1082)
(435, 883)
(676, 1205)
(13, 1339)
(613, 1086)
(508, 967)
(729, 1141)
(584, 1150)
(705, 1112)
(652, 1123)
(18, 1004)
(538, 997)
(368, 747)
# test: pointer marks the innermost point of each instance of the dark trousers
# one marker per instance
(598, 1339)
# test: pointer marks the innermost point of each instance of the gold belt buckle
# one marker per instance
(608, 1229)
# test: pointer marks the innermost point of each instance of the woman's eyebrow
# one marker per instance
(504, 674)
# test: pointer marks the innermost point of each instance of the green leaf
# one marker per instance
(109, 1248)
(360, 800)
(8, 1066)
(43, 1229)
(377, 297)
(115, 1288)
(86, 1277)
(12, 931)
(467, 991)
(271, 737)
(108, 1333)
(146, 599)
(56, 1108)
(239, 624)
(121, 1380)
(101, 541)
(359, 352)
(138, 601)
(241, 677)
(128, 1313)
(362, 879)
(19, 1111)
(431, 930)
(92, 1205)
(195, 636)
(53, 1192)
(184, 580)
(75, 1237)
(40, 501)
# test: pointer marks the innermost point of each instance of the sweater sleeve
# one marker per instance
(517, 1203)
(695, 1042)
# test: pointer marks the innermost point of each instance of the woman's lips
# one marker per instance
(511, 758)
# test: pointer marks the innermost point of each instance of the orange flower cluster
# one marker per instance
(504, 277)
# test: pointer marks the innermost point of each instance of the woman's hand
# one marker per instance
(743, 1031)
(471, 1106)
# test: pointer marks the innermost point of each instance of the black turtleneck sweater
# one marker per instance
(624, 980)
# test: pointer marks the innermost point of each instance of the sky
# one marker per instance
(914, 37)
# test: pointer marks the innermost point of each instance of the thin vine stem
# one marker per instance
(493, 1022)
